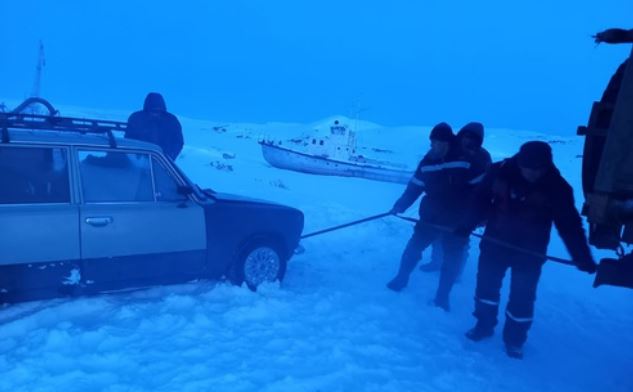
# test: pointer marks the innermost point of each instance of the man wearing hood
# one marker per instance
(470, 138)
(444, 176)
(155, 125)
(519, 199)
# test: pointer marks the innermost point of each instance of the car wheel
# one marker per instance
(258, 263)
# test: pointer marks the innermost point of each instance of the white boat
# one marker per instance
(334, 155)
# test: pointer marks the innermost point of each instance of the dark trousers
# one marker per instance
(525, 273)
(453, 248)
(437, 257)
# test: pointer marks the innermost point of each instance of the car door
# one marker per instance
(136, 228)
(39, 240)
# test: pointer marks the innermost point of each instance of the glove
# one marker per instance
(588, 266)
(614, 36)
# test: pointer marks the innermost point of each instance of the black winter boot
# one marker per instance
(398, 283)
(514, 351)
(443, 303)
(479, 332)
(407, 265)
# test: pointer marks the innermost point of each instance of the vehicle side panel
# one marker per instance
(35, 281)
(143, 242)
(231, 225)
(39, 246)
(140, 270)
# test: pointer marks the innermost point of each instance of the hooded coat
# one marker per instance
(155, 125)
(447, 184)
(521, 213)
(479, 156)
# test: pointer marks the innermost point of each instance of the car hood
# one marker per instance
(242, 199)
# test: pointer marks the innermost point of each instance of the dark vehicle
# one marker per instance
(83, 211)
(607, 171)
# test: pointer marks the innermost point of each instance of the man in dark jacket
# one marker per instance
(519, 199)
(155, 125)
(470, 138)
(444, 175)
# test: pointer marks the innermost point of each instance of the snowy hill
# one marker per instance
(332, 325)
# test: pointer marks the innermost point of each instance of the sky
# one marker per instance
(527, 65)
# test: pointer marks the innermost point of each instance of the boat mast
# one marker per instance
(41, 62)
(357, 110)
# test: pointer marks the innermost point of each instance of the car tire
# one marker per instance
(260, 261)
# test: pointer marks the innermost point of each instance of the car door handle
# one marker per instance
(99, 221)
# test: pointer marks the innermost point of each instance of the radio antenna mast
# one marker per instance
(41, 62)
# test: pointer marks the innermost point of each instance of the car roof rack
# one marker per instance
(53, 122)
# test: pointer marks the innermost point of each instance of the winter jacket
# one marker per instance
(447, 184)
(521, 213)
(155, 125)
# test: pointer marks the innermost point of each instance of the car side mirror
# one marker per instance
(184, 190)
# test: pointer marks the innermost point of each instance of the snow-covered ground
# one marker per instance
(332, 325)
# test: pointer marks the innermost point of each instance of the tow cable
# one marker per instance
(300, 249)
(354, 223)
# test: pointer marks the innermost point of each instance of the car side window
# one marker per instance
(166, 187)
(114, 176)
(34, 175)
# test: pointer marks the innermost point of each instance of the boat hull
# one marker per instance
(285, 158)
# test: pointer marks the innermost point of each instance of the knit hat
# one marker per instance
(535, 155)
(442, 132)
(474, 130)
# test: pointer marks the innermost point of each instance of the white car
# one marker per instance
(83, 211)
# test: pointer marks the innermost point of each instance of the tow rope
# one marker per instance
(354, 223)
(441, 228)
(494, 241)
